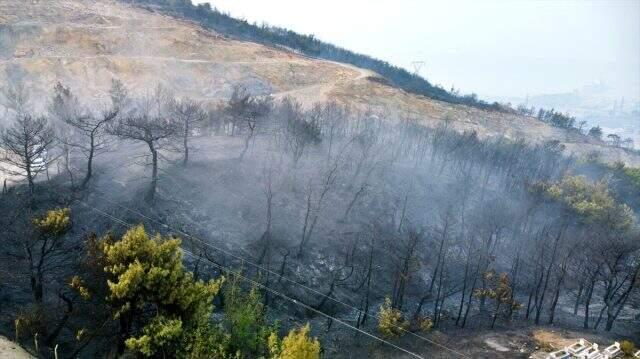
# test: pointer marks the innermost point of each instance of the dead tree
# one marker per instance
(27, 144)
(119, 96)
(406, 265)
(331, 118)
(542, 291)
(540, 245)
(491, 223)
(313, 208)
(152, 127)
(91, 130)
(592, 275)
(339, 275)
(363, 144)
(365, 302)
(62, 107)
(465, 279)
(438, 274)
(298, 131)
(559, 283)
(15, 98)
(447, 223)
(619, 276)
(189, 115)
(248, 112)
(265, 240)
(353, 201)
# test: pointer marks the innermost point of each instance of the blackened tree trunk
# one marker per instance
(470, 299)
(151, 192)
(247, 141)
(587, 301)
(464, 288)
(540, 303)
(90, 155)
(578, 297)
(368, 288)
(185, 143)
(556, 296)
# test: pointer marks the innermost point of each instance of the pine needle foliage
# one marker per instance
(296, 345)
(149, 289)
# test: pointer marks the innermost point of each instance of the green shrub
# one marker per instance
(390, 320)
(628, 348)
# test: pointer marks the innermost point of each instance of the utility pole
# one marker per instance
(417, 66)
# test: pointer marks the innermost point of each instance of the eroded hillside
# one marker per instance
(85, 44)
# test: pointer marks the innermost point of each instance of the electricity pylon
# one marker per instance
(417, 66)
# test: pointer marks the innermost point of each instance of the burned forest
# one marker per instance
(144, 216)
(360, 217)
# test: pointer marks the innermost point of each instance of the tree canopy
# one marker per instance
(149, 287)
(592, 202)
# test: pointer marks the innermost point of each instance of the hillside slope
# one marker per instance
(85, 44)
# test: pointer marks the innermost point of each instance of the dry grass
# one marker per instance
(550, 341)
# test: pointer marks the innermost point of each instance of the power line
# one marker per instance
(273, 291)
(257, 266)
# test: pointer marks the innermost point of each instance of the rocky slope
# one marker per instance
(10, 350)
(85, 44)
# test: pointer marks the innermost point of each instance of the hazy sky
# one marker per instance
(494, 48)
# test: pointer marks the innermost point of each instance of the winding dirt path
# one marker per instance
(309, 93)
